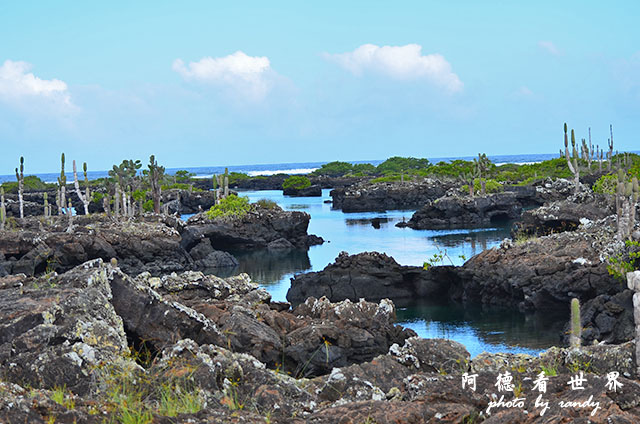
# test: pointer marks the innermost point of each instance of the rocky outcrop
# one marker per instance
(372, 276)
(466, 212)
(147, 244)
(54, 329)
(365, 197)
(564, 215)
(188, 202)
(221, 351)
(311, 191)
(259, 228)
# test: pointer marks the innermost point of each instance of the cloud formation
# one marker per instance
(550, 47)
(400, 63)
(249, 75)
(17, 84)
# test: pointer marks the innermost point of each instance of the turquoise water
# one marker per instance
(479, 330)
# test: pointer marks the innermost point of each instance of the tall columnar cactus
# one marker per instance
(155, 175)
(215, 189)
(572, 162)
(84, 198)
(20, 178)
(70, 217)
(116, 200)
(575, 337)
(610, 152)
(47, 207)
(627, 194)
(3, 209)
(226, 182)
(61, 198)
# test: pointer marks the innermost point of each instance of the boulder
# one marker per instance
(55, 328)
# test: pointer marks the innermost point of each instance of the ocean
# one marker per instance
(282, 168)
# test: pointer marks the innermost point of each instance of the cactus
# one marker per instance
(20, 178)
(575, 337)
(70, 217)
(226, 182)
(215, 189)
(627, 193)
(3, 209)
(116, 201)
(61, 198)
(610, 152)
(47, 207)
(572, 162)
(83, 198)
(155, 175)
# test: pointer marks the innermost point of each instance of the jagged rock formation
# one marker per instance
(242, 358)
(364, 197)
(372, 276)
(259, 228)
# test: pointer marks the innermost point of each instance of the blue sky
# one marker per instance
(201, 83)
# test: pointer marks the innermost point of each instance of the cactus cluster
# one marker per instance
(221, 181)
(20, 178)
(155, 175)
(627, 194)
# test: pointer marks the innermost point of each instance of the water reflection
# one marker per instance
(479, 330)
(484, 329)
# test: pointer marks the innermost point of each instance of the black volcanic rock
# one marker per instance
(311, 191)
(372, 276)
(364, 197)
(257, 229)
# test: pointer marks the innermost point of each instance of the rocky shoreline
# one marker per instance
(242, 358)
(76, 295)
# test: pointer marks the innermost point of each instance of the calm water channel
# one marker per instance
(478, 329)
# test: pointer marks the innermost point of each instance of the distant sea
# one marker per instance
(287, 168)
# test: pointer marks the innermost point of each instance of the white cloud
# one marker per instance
(550, 47)
(249, 75)
(399, 62)
(17, 84)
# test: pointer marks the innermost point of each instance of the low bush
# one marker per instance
(297, 182)
(267, 204)
(606, 184)
(231, 206)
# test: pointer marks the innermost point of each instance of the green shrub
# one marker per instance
(491, 186)
(267, 204)
(334, 169)
(180, 186)
(363, 169)
(183, 175)
(148, 206)
(231, 206)
(606, 184)
(400, 164)
(297, 182)
(31, 183)
(386, 179)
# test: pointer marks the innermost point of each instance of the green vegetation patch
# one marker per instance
(297, 182)
(231, 206)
